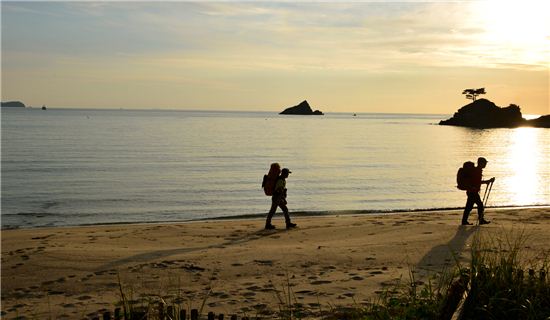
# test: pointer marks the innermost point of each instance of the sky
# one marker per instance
(362, 56)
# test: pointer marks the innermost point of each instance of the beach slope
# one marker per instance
(235, 267)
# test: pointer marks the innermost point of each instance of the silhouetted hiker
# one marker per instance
(279, 200)
(472, 191)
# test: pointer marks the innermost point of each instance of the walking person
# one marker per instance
(472, 192)
(278, 199)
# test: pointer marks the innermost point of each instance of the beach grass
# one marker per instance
(499, 282)
(504, 283)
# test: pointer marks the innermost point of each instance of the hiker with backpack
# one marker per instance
(275, 186)
(469, 178)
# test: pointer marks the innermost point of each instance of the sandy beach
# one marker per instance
(235, 266)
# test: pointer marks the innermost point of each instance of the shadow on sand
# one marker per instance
(162, 254)
(446, 253)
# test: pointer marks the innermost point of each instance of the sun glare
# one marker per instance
(523, 27)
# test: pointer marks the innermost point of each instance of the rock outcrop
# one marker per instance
(541, 122)
(483, 114)
(13, 104)
(302, 109)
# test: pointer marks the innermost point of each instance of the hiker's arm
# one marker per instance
(279, 189)
(488, 181)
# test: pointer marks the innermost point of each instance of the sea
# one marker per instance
(68, 167)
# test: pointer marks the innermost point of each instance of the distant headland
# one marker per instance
(484, 114)
(18, 104)
(13, 104)
(302, 109)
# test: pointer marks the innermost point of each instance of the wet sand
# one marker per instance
(236, 267)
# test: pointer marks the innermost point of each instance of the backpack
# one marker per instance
(270, 179)
(464, 175)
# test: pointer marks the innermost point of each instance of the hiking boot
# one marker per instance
(269, 227)
(466, 223)
(484, 222)
(291, 225)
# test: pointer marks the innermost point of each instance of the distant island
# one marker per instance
(13, 104)
(484, 114)
(302, 109)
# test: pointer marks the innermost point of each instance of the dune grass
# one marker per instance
(499, 282)
(504, 283)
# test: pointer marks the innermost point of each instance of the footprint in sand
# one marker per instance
(55, 292)
(306, 292)
(318, 282)
(61, 280)
(224, 296)
(253, 288)
(249, 294)
(264, 262)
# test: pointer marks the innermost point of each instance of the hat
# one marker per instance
(287, 171)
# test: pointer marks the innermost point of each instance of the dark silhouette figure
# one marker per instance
(279, 200)
(473, 193)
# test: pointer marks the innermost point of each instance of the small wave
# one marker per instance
(48, 204)
(35, 214)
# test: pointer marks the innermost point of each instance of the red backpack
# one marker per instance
(465, 175)
(270, 179)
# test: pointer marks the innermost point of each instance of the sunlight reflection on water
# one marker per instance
(525, 161)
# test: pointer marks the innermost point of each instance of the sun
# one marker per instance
(520, 28)
(524, 21)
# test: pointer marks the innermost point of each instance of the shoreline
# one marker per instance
(254, 216)
(235, 266)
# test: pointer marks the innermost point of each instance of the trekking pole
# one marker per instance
(486, 195)
(487, 192)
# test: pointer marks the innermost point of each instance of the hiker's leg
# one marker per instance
(480, 207)
(469, 206)
(285, 212)
(271, 212)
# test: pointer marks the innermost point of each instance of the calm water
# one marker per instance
(72, 167)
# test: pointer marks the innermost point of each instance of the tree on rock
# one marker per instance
(473, 93)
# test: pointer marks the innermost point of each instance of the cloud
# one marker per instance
(285, 35)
